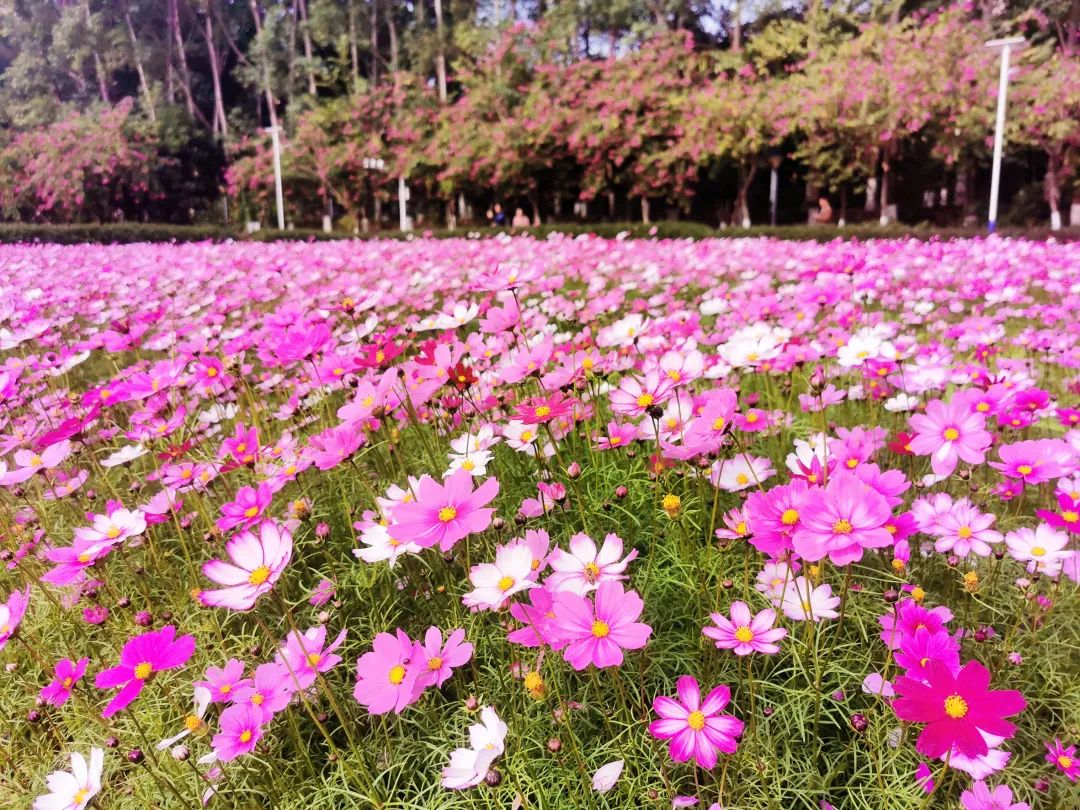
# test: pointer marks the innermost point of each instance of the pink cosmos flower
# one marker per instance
(389, 677)
(775, 516)
(635, 396)
(949, 433)
(65, 676)
(618, 435)
(745, 633)
(247, 509)
(306, 656)
(73, 561)
(269, 691)
(1064, 759)
(597, 633)
(584, 568)
(955, 708)
(241, 729)
(443, 658)
(114, 527)
(696, 729)
(964, 529)
(141, 658)
(981, 797)
(29, 462)
(538, 620)
(1036, 461)
(444, 514)
(11, 614)
(334, 445)
(841, 521)
(223, 682)
(242, 447)
(257, 563)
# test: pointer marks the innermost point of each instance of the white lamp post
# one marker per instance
(278, 194)
(1006, 46)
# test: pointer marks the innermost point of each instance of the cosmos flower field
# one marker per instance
(566, 523)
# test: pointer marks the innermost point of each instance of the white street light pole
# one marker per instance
(1006, 46)
(278, 194)
(403, 211)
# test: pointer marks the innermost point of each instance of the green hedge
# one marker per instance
(121, 233)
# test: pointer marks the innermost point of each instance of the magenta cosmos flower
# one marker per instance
(247, 509)
(65, 676)
(745, 633)
(440, 658)
(389, 677)
(696, 728)
(841, 520)
(241, 728)
(142, 657)
(1064, 759)
(956, 709)
(598, 632)
(257, 563)
(948, 434)
(444, 514)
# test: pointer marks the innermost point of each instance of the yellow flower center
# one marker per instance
(852, 463)
(592, 572)
(396, 674)
(434, 664)
(918, 594)
(1024, 469)
(447, 513)
(790, 517)
(1069, 516)
(741, 527)
(1065, 762)
(251, 511)
(842, 526)
(85, 557)
(259, 575)
(468, 464)
(67, 682)
(600, 629)
(527, 435)
(744, 634)
(645, 400)
(112, 533)
(313, 659)
(80, 796)
(36, 461)
(543, 411)
(956, 707)
(1038, 551)
(696, 721)
(192, 723)
(245, 735)
(742, 479)
(143, 670)
(964, 532)
(751, 417)
(718, 423)
(211, 371)
(982, 407)
(257, 699)
(951, 434)
(225, 688)
(506, 583)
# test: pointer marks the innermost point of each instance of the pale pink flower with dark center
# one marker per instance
(258, 560)
(584, 568)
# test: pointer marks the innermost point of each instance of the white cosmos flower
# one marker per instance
(901, 402)
(475, 463)
(606, 776)
(193, 722)
(73, 790)
(125, 454)
(494, 583)
(469, 766)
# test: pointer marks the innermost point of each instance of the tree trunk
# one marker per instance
(99, 71)
(742, 209)
(440, 53)
(144, 86)
(645, 211)
(181, 57)
(843, 205)
(395, 63)
(736, 27)
(611, 205)
(221, 124)
(354, 50)
(268, 88)
(374, 19)
(309, 54)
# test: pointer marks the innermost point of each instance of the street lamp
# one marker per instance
(1006, 47)
(278, 195)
